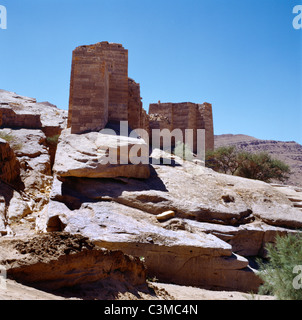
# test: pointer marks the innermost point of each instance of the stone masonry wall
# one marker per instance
(134, 104)
(98, 86)
(101, 92)
(205, 111)
(184, 116)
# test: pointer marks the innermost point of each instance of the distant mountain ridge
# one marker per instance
(289, 152)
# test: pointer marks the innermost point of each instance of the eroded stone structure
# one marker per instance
(184, 116)
(98, 86)
(101, 92)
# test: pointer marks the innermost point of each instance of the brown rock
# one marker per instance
(9, 165)
(45, 262)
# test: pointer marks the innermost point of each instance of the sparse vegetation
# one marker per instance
(7, 137)
(223, 159)
(11, 140)
(53, 140)
(280, 275)
(260, 166)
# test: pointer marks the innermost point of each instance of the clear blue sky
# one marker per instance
(243, 56)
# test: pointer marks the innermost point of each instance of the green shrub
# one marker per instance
(53, 140)
(6, 136)
(279, 273)
(223, 159)
(259, 166)
(11, 140)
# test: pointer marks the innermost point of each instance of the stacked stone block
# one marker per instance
(101, 92)
(98, 86)
(184, 116)
(205, 112)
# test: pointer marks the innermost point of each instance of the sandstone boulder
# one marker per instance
(207, 197)
(60, 260)
(14, 206)
(23, 112)
(247, 240)
(181, 257)
(240, 215)
(98, 155)
(9, 165)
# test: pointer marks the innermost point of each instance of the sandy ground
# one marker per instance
(12, 290)
(191, 293)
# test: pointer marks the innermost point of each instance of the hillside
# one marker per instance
(76, 225)
(288, 151)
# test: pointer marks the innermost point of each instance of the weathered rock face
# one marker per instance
(188, 258)
(209, 197)
(9, 165)
(30, 149)
(28, 129)
(216, 218)
(23, 112)
(46, 262)
(96, 155)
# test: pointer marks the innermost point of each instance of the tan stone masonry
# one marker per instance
(101, 92)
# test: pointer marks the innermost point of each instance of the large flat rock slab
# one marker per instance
(59, 260)
(99, 155)
(183, 257)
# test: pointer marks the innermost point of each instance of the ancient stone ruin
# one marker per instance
(184, 116)
(66, 206)
(101, 92)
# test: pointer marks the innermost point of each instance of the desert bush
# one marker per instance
(259, 166)
(280, 275)
(11, 140)
(223, 159)
(53, 140)
(7, 137)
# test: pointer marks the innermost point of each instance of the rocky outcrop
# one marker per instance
(97, 155)
(189, 224)
(9, 165)
(218, 220)
(29, 131)
(22, 112)
(61, 260)
(30, 149)
(188, 258)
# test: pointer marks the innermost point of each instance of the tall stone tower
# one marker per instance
(98, 86)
